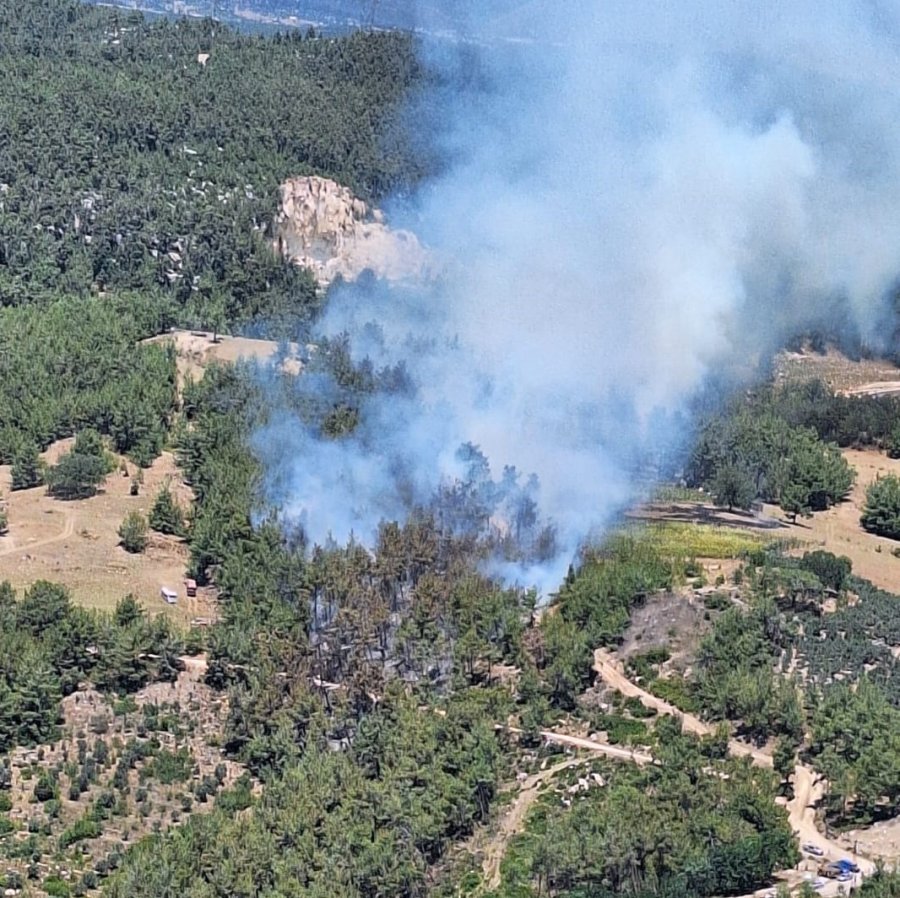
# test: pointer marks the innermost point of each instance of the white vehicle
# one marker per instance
(812, 849)
(170, 597)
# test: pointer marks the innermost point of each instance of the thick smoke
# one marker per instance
(642, 199)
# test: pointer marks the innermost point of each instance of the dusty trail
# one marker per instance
(513, 820)
(601, 748)
(808, 788)
(67, 531)
(612, 674)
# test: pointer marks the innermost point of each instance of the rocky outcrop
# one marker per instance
(324, 227)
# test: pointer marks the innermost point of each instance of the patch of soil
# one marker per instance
(671, 620)
(880, 840)
(197, 350)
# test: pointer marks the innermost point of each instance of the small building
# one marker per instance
(190, 587)
(170, 597)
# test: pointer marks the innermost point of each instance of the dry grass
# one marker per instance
(77, 543)
(832, 367)
(838, 530)
(689, 540)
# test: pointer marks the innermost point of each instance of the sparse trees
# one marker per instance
(783, 463)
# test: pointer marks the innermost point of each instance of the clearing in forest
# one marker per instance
(838, 529)
(700, 530)
(197, 350)
(833, 368)
(76, 542)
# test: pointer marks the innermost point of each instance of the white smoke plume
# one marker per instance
(642, 198)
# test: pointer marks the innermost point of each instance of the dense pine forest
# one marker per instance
(379, 702)
(128, 164)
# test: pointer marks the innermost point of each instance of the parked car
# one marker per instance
(813, 849)
(847, 866)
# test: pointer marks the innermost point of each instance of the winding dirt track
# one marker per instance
(65, 533)
(513, 820)
(612, 674)
(808, 788)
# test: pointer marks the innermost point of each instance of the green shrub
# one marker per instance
(676, 691)
(171, 767)
(621, 729)
(56, 887)
(85, 828)
(237, 798)
(45, 788)
(831, 570)
(716, 601)
(637, 709)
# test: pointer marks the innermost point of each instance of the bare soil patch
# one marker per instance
(881, 840)
(670, 620)
(76, 543)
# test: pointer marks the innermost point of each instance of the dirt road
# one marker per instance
(808, 788)
(808, 792)
(601, 748)
(67, 531)
(610, 671)
(512, 822)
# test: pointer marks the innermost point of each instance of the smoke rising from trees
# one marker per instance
(637, 202)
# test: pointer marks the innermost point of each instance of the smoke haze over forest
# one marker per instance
(645, 202)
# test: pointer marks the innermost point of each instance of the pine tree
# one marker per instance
(166, 516)
(133, 532)
(26, 468)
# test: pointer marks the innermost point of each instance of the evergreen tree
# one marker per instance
(26, 468)
(133, 532)
(732, 487)
(77, 476)
(166, 516)
(881, 513)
